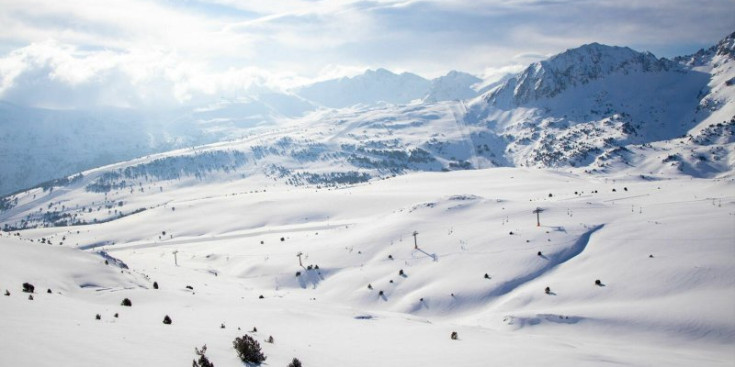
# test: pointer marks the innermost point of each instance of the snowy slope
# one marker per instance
(237, 240)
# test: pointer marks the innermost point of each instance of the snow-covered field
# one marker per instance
(663, 250)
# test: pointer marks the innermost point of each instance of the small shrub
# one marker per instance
(295, 363)
(28, 287)
(203, 361)
(126, 302)
(167, 320)
(454, 335)
(248, 350)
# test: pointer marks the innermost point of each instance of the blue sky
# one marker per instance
(174, 51)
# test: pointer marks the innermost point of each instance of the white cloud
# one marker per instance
(161, 52)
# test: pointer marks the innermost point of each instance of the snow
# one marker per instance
(412, 219)
(675, 308)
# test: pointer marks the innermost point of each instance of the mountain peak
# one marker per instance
(577, 66)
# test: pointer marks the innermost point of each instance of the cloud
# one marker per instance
(55, 75)
(163, 52)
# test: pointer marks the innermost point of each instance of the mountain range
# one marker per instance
(599, 108)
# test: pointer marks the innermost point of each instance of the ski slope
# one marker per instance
(662, 249)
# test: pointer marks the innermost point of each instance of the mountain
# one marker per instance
(595, 108)
(382, 86)
(369, 88)
(610, 108)
(454, 85)
(575, 67)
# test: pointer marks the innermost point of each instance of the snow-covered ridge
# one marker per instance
(574, 67)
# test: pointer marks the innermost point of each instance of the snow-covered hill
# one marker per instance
(367, 290)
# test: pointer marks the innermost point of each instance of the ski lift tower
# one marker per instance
(176, 260)
(415, 243)
(538, 211)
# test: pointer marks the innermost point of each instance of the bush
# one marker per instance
(126, 302)
(203, 361)
(167, 320)
(295, 363)
(248, 350)
(28, 287)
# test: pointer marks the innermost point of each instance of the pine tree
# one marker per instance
(248, 350)
(203, 361)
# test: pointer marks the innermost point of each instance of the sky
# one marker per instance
(133, 53)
